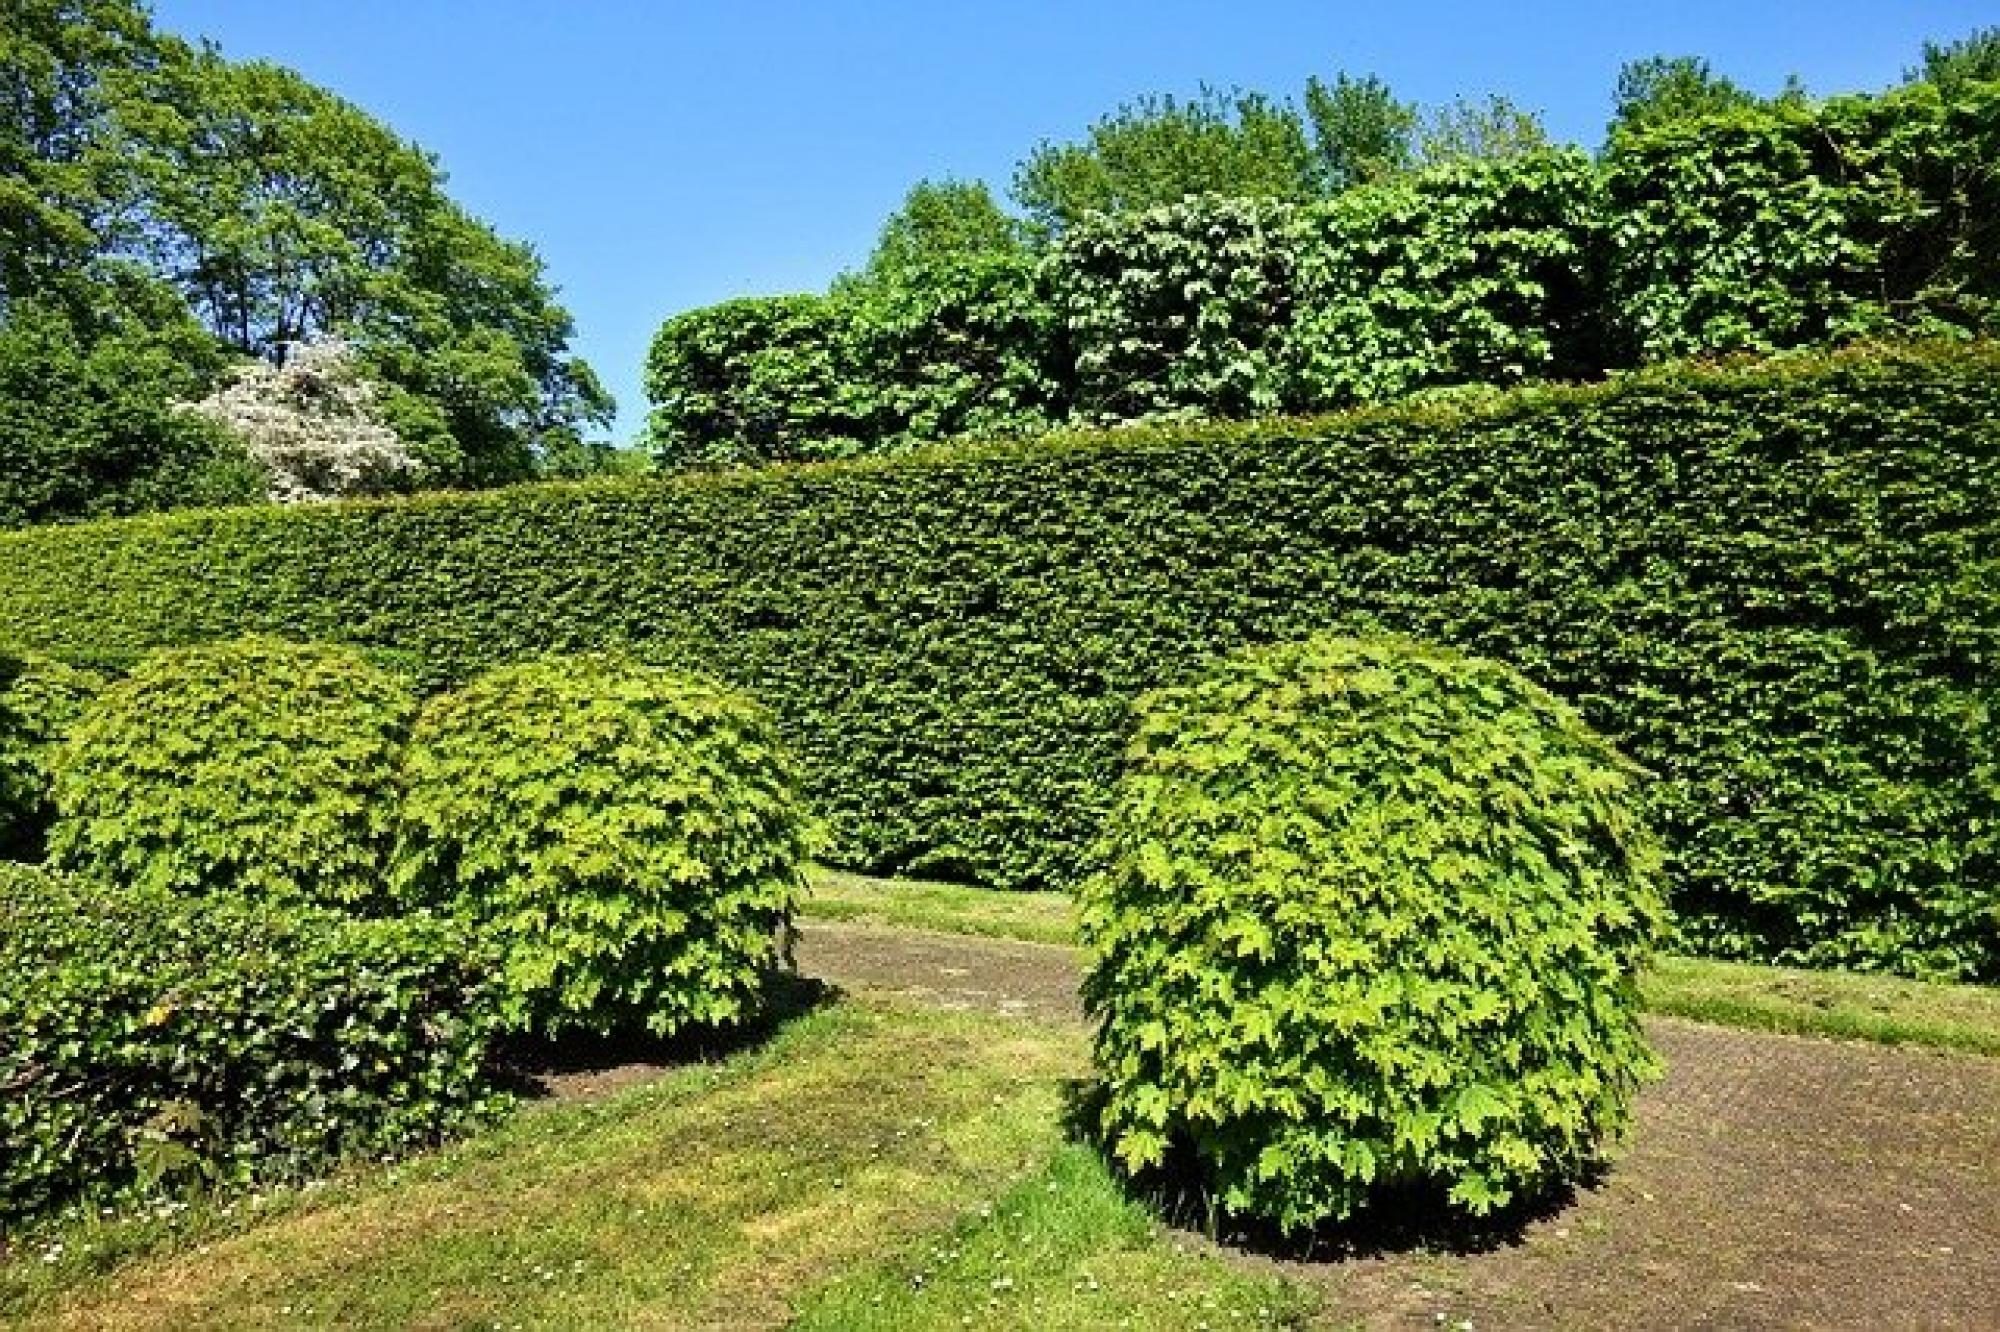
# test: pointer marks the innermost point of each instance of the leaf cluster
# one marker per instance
(1368, 915)
(157, 1042)
(1794, 223)
(629, 841)
(259, 769)
(40, 700)
(947, 350)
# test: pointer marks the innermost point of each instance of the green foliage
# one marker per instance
(306, 217)
(756, 380)
(1772, 584)
(947, 350)
(1177, 310)
(156, 1043)
(1974, 58)
(1158, 150)
(1482, 273)
(263, 210)
(1662, 89)
(56, 59)
(86, 425)
(1361, 132)
(630, 841)
(1367, 915)
(971, 348)
(40, 700)
(260, 768)
(1486, 129)
(1782, 225)
(1798, 223)
(940, 223)
(1477, 274)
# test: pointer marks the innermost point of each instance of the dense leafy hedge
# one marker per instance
(965, 348)
(1763, 228)
(1772, 584)
(260, 768)
(1180, 309)
(154, 1041)
(40, 699)
(630, 842)
(1790, 224)
(1473, 274)
(1368, 915)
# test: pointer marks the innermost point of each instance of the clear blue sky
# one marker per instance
(665, 155)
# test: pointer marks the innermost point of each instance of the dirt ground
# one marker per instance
(1770, 1182)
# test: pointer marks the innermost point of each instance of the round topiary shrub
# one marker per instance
(40, 699)
(630, 840)
(1367, 916)
(260, 768)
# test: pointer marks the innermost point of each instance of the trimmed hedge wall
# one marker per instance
(1776, 585)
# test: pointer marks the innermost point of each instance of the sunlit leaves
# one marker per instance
(1442, 1009)
(233, 1041)
(260, 768)
(629, 839)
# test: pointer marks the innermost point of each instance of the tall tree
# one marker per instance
(284, 213)
(274, 212)
(1160, 149)
(1478, 130)
(1972, 58)
(1361, 131)
(1662, 89)
(940, 222)
(60, 62)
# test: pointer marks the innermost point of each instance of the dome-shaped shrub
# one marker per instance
(1367, 915)
(630, 840)
(261, 768)
(40, 699)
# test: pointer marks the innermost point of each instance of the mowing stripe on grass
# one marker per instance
(1840, 1004)
(713, 1197)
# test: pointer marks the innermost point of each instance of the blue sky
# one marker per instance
(663, 156)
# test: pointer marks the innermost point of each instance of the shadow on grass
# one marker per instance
(580, 1064)
(1409, 1219)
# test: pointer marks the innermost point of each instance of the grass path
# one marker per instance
(1771, 1180)
(1883, 1009)
(723, 1197)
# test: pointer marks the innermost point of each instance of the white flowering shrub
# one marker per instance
(313, 424)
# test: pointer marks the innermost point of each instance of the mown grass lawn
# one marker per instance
(1847, 1005)
(872, 1165)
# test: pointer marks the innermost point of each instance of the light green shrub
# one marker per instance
(631, 841)
(1368, 915)
(258, 768)
(40, 699)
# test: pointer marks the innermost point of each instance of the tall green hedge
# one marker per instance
(1786, 225)
(965, 348)
(1762, 228)
(1777, 585)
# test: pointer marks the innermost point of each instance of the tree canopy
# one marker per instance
(1973, 58)
(1344, 132)
(266, 211)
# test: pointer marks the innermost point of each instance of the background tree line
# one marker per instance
(1235, 254)
(166, 213)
